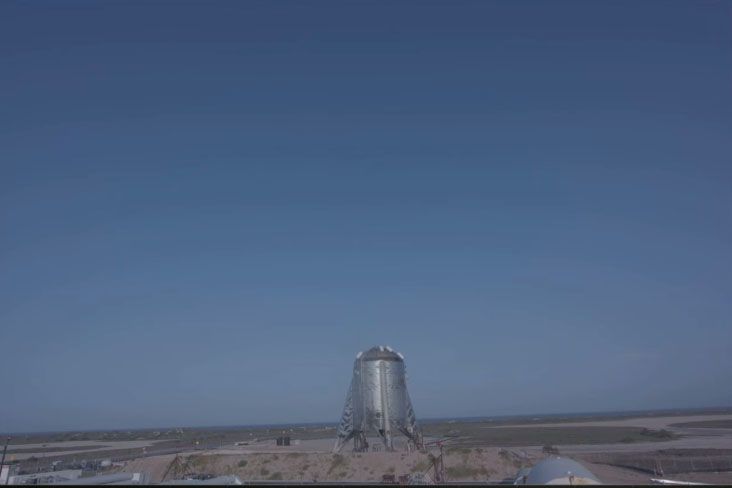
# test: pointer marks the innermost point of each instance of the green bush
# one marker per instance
(465, 471)
(459, 450)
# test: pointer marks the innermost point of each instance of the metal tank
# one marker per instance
(378, 402)
(556, 471)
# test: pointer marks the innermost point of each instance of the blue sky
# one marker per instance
(208, 208)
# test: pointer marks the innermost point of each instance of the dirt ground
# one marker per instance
(155, 466)
(461, 465)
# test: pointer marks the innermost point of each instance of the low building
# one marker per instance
(110, 479)
(219, 480)
(45, 478)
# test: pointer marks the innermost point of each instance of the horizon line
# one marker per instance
(422, 421)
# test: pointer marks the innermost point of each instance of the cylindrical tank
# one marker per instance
(559, 471)
(380, 393)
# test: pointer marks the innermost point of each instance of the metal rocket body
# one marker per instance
(378, 402)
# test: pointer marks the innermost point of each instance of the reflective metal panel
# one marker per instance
(378, 401)
(558, 470)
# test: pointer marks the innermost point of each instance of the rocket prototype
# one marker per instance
(378, 402)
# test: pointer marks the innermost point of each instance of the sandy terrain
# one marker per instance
(154, 466)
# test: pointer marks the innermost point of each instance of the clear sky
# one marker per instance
(208, 208)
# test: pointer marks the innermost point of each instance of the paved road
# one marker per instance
(692, 438)
(68, 447)
(647, 422)
(691, 442)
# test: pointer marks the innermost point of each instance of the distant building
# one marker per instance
(4, 474)
(220, 480)
(45, 478)
(283, 440)
(110, 479)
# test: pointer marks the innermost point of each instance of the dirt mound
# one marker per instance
(154, 466)
(461, 464)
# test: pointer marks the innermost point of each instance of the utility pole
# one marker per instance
(438, 464)
(2, 462)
